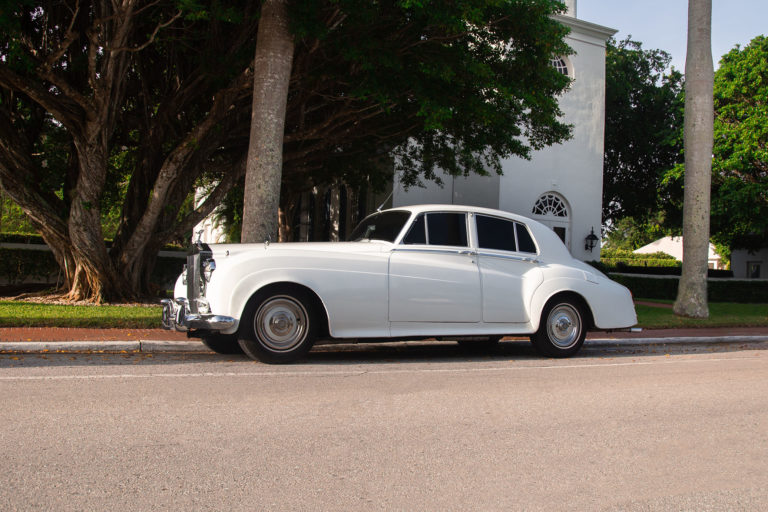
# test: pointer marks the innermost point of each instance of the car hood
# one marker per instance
(300, 247)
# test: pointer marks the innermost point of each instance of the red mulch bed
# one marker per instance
(82, 334)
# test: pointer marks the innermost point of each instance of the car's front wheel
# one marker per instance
(562, 329)
(279, 326)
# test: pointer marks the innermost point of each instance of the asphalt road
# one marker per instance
(382, 428)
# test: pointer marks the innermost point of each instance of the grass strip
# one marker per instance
(721, 314)
(28, 314)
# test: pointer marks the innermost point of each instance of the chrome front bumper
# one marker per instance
(176, 317)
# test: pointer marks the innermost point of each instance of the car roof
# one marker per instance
(421, 208)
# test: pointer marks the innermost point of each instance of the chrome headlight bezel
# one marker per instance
(208, 268)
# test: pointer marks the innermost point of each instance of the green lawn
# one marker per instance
(721, 314)
(26, 314)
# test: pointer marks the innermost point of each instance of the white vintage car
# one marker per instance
(407, 273)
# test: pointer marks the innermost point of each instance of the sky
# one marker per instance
(662, 24)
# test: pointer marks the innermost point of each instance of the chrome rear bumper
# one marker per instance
(176, 317)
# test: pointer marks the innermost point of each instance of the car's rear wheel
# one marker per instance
(279, 326)
(222, 343)
(562, 329)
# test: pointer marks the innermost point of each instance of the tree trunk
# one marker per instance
(95, 277)
(698, 137)
(272, 73)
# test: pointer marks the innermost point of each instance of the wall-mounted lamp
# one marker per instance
(591, 241)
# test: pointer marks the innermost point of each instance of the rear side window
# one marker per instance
(447, 229)
(495, 233)
(524, 240)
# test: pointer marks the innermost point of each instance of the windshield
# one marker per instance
(380, 226)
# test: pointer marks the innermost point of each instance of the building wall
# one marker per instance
(743, 263)
(572, 171)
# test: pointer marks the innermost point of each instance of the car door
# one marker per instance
(509, 271)
(433, 274)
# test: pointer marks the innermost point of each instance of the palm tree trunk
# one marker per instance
(272, 72)
(698, 137)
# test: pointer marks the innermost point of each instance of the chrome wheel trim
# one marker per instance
(564, 326)
(281, 323)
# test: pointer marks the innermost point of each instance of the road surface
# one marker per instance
(424, 427)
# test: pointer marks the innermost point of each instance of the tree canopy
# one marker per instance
(138, 103)
(643, 133)
(740, 165)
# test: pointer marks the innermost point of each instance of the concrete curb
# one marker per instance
(107, 347)
(609, 342)
(196, 347)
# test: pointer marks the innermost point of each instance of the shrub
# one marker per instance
(718, 290)
(20, 265)
(34, 265)
(620, 257)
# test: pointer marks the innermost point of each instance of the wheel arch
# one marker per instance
(287, 286)
(589, 319)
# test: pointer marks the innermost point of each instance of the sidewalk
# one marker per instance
(56, 339)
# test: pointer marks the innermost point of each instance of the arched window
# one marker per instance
(561, 65)
(550, 205)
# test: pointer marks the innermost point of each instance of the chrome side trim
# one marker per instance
(526, 259)
(435, 251)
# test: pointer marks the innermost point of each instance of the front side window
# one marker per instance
(447, 229)
(438, 229)
(380, 226)
(417, 234)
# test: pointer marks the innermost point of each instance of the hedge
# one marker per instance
(642, 262)
(36, 239)
(656, 271)
(21, 265)
(718, 290)
(21, 238)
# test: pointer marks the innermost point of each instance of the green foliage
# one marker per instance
(21, 238)
(740, 166)
(617, 257)
(32, 265)
(643, 126)
(230, 214)
(718, 290)
(20, 265)
(454, 86)
(630, 233)
(12, 218)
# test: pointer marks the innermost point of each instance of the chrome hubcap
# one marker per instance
(281, 323)
(564, 326)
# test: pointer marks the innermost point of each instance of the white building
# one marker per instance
(561, 185)
(750, 264)
(673, 245)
